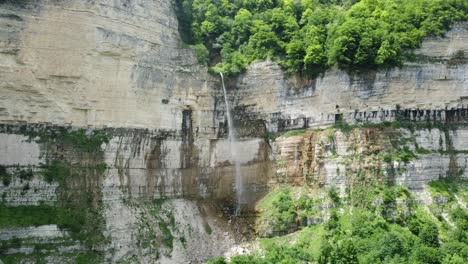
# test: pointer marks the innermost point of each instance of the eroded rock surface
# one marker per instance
(102, 98)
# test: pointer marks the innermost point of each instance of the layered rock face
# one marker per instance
(96, 63)
(120, 68)
(433, 83)
(408, 157)
(108, 122)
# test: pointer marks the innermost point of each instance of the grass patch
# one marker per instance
(27, 215)
(89, 257)
(293, 133)
(439, 187)
(442, 188)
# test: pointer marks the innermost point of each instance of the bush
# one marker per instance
(202, 53)
(217, 260)
(278, 213)
(27, 215)
(454, 259)
(391, 245)
(426, 255)
(334, 194)
(430, 235)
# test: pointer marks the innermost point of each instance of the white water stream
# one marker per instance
(234, 151)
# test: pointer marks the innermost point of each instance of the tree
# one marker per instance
(345, 252)
(283, 24)
(263, 43)
(255, 5)
(430, 235)
(391, 245)
(385, 54)
(241, 27)
(426, 255)
(294, 55)
(347, 33)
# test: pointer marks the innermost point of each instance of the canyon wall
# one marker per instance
(433, 82)
(106, 117)
(71, 68)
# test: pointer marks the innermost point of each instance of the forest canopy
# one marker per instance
(310, 36)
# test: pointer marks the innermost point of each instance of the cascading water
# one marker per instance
(295, 156)
(234, 153)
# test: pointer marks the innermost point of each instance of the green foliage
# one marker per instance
(217, 260)
(202, 53)
(334, 194)
(79, 208)
(292, 133)
(440, 188)
(81, 140)
(362, 236)
(311, 35)
(460, 217)
(92, 257)
(207, 228)
(77, 214)
(426, 255)
(84, 141)
(242, 259)
(454, 259)
(25, 174)
(60, 171)
(27, 215)
(279, 213)
(454, 250)
(234, 62)
(341, 124)
(56, 170)
(399, 154)
(6, 177)
(168, 238)
(387, 225)
(429, 235)
(392, 245)
(423, 151)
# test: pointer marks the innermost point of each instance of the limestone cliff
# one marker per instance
(108, 122)
(120, 67)
(434, 81)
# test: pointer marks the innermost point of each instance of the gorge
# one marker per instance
(117, 145)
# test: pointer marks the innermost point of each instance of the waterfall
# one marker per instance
(234, 153)
(295, 157)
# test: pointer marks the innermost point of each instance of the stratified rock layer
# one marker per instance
(163, 182)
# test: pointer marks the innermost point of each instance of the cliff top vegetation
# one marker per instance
(309, 36)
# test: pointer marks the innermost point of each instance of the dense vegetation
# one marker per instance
(389, 227)
(309, 36)
(373, 219)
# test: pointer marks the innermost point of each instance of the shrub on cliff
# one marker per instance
(202, 53)
(278, 213)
